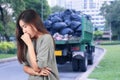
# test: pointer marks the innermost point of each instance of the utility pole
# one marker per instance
(110, 32)
(42, 10)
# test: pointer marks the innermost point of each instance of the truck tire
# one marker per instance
(90, 55)
(90, 61)
(83, 64)
(75, 64)
(61, 60)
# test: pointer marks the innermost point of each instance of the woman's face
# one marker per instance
(28, 28)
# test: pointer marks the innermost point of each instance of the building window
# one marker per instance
(85, 4)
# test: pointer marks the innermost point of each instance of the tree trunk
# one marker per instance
(4, 24)
(118, 35)
(6, 37)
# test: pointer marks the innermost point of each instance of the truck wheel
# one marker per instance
(75, 64)
(90, 61)
(61, 60)
(83, 64)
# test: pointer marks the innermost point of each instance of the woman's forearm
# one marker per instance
(29, 70)
(32, 55)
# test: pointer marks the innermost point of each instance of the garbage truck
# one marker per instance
(74, 42)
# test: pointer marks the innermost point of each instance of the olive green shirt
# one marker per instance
(44, 48)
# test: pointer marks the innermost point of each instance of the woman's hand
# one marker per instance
(26, 38)
(41, 72)
(44, 72)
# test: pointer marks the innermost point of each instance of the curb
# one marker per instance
(86, 74)
(8, 59)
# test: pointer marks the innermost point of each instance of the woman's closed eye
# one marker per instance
(24, 26)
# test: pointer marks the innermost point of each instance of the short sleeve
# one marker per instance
(43, 47)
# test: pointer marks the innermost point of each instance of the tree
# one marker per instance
(9, 9)
(57, 9)
(41, 6)
(7, 21)
(5, 18)
(97, 34)
(111, 12)
(16, 5)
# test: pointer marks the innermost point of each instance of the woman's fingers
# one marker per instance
(48, 68)
(45, 72)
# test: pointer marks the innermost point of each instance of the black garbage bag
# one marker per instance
(73, 10)
(66, 31)
(68, 12)
(56, 19)
(59, 25)
(68, 22)
(57, 14)
(78, 33)
(79, 28)
(74, 25)
(52, 31)
(61, 14)
(75, 17)
(50, 16)
(66, 17)
(78, 12)
(47, 23)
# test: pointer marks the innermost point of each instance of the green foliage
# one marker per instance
(18, 6)
(41, 6)
(7, 47)
(7, 27)
(97, 34)
(11, 29)
(1, 26)
(57, 9)
(111, 12)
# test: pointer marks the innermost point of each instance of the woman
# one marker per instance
(35, 47)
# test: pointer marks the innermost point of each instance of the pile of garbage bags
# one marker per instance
(66, 23)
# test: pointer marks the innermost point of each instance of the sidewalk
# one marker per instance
(8, 59)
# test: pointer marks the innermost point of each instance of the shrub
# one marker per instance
(7, 47)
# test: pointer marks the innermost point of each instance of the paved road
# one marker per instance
(13, 70)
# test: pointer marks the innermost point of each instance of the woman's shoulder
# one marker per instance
(45, 37)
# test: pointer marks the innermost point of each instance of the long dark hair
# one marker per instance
(30, 17)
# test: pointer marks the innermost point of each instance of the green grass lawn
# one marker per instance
(7, 55)
(109, 67)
